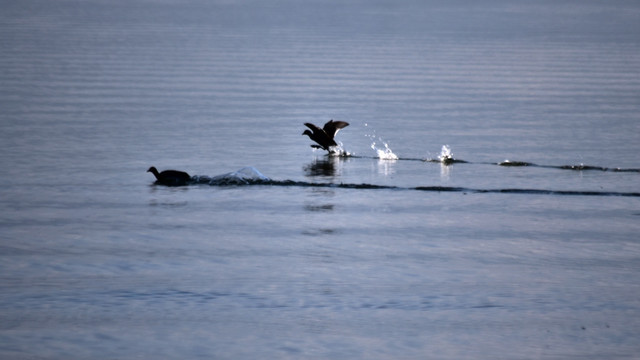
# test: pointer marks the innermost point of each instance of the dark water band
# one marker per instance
(230, 181)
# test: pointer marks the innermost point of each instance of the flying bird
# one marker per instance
(324, 136)
(170, 177)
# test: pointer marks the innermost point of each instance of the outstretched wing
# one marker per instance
(312, 127)
(332, 127)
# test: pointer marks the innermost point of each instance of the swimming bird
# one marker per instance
(324, 137)
(170, 177)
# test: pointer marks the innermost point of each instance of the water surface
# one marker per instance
(333, 257)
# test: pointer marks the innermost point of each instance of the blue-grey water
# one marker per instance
(331, 257)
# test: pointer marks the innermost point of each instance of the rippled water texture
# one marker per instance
(486, 204)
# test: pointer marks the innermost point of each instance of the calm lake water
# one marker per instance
(354, 257)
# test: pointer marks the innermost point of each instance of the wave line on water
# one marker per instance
(456, 189)
(251, 176)
(446, 158)
(580, 167)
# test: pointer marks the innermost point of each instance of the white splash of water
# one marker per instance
(338, 150)
(446, 156)
(386, 153)
(244, 176)
(383, 154)
(249, 173)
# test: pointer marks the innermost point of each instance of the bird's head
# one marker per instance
(307, 132)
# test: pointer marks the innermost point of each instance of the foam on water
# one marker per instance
(445, 157)
(245, 176)
(338, 150)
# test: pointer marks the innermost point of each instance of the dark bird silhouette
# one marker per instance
(324, 137)
(170, 177)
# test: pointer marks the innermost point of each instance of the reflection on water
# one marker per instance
(328, 167)
(386, 167)
(445, 171)
(319, 208)
(319, 232)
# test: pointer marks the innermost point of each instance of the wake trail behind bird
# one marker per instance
(251, 176)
